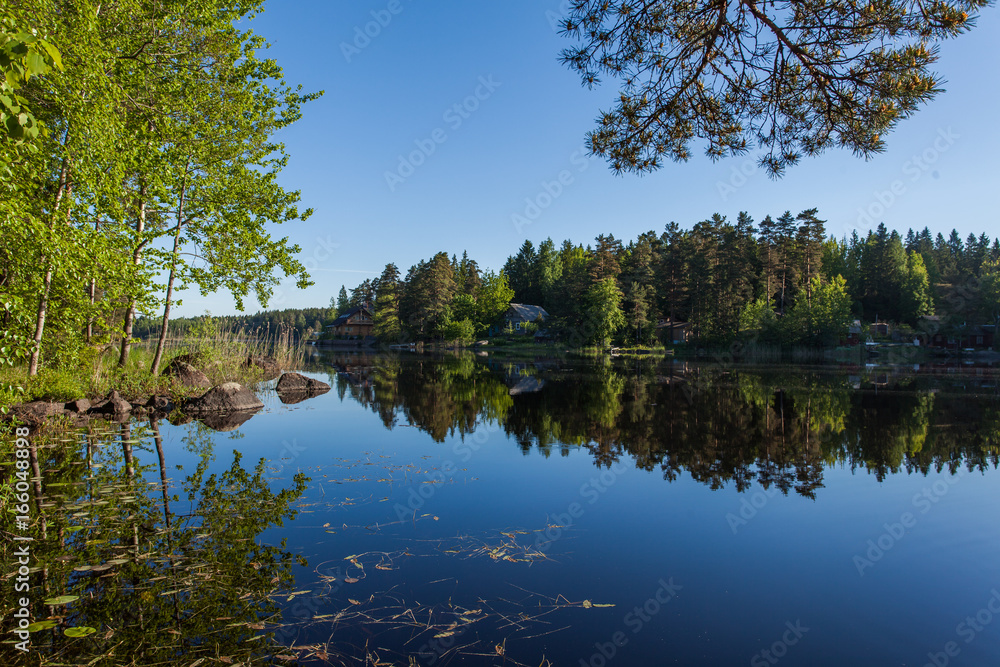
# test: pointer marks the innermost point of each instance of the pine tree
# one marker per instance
(343, 301)
(809, 238)
(794, 79)
(521, 272)
(362, 294)
(787, 259)
(387, 324)
(605, 263)
(671, 272)
(548, 270)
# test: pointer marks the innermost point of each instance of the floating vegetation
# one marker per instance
(128, 579)
(427, 634)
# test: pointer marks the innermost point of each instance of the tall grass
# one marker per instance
(219, 352)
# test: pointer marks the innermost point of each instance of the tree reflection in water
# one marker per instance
(140, 581)
(775, 426)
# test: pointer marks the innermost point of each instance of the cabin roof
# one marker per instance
(671, 324)
(528, 313)
(347, 315)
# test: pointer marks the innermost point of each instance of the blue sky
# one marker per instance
(441, 130)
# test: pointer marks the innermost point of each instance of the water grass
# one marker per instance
(218, 351)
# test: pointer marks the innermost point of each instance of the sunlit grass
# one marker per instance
(219, 352)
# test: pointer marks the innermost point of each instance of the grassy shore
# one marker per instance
(220, 354)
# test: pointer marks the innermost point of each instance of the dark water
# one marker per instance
(465, 510)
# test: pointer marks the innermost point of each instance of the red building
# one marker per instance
(962, 337)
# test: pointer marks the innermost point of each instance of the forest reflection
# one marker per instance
(722, 425)
(148, 569)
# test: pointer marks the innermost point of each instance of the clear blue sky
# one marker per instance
(527, 126)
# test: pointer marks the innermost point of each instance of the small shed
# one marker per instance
(853, 334)
(673, 331)
(517, 316)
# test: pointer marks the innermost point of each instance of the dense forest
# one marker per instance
(782, 280)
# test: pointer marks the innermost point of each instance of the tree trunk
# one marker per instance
(140, 226)
(43, 300)
(158, 357)
(92, 293)
(154, 424)
(43, 303)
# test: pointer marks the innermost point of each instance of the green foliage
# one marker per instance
(494, 297)
(793, 78)
(759, 320)
(134, 557)
(148, 161)
(425, 301)
(23, 55)
(781, 282)
(386, 317)
(824, 318)
(14, 348)
(462, 331)
(603, 309)
(915, 290)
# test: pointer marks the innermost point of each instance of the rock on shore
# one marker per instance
(227, 397)
(186, 374)
(296, 382)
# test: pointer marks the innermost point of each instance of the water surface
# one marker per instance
(463, 509)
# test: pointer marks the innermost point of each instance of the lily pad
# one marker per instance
(62, 599)
(42, 625)
(80, 631)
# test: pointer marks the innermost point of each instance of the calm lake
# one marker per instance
(470, 510)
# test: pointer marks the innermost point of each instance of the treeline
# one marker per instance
(137, 157)
(295, 323)
(782, 280)
(443, 298)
